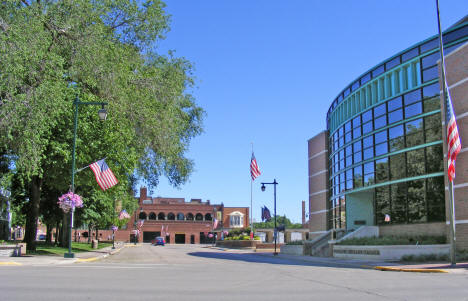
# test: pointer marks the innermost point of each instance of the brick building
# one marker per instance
(180, 221)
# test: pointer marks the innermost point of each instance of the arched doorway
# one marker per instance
(199, 217)
(208, 217)
(142, 215)
(161, 216)
(189, 217)
(152, 216)
(171, 216)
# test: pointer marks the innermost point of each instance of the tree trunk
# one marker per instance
(90, 234)
(64, 231)
(57, 232)
(49, 234)
(97, 233)
(33, 213)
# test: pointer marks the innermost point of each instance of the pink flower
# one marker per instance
(70, 201)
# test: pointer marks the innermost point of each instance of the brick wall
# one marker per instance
(457, 79)
(318, 182)
(430, 229)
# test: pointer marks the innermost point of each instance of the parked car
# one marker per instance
(158, 241)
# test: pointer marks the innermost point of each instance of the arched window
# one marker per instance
(161, 216)
(142, 215)
(180, 216)
(208, 217)
(152, 216)
(189, 217)
(199, 217)
(171, 216)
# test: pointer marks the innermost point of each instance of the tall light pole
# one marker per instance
(102, 116)
(274, 189)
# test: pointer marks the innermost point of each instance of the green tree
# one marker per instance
(103, 51)
(280, 220)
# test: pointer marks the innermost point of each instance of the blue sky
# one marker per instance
(266, 73)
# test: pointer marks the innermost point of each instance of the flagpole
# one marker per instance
(450, 183)
(251, 202)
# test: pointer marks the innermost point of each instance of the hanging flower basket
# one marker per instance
(69, 201)
(114, 228)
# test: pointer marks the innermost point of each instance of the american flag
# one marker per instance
(103, 174)
(215, 223)
(266, 216)
(254, 170)
(453, 139)
(123, 214)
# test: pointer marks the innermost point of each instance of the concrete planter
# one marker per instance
(292, 249)
(394, 252)
(12, 250)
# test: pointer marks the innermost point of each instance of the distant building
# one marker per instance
(381, 159)
(179, 221)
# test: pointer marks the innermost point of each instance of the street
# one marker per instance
(195, 272)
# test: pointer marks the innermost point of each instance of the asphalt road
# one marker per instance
(179, 272)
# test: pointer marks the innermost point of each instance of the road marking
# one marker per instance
(9, 263)
(113, 267)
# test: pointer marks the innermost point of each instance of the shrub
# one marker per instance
(394, 240)
(424, 258)
(296, 242)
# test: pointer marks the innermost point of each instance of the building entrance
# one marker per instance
(149, 236)
(180, 238)
(192, 239)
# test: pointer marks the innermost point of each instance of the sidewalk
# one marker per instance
(459, 268)
(38, 260)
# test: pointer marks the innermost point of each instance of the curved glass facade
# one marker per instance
(385, 140)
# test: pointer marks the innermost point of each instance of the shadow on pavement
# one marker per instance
(280, 260)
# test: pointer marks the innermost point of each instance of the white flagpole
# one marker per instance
(450, 188)
(251, 196)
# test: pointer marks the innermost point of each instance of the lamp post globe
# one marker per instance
(102, 114)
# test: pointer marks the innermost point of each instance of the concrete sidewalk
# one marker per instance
(459, 268)
(38, 260)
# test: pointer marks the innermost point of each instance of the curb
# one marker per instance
(100, 257)
(410, 270)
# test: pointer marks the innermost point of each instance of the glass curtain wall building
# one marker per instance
(385, 147)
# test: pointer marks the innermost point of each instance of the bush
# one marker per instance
(460, 256)
(425, 257)
(394, 240)
(296, 242)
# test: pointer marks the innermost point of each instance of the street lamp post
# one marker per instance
(274, 194)
(212, 227)
(113, 229)
(102, 116)
(136, 226)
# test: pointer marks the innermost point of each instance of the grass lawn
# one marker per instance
(77, 247)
